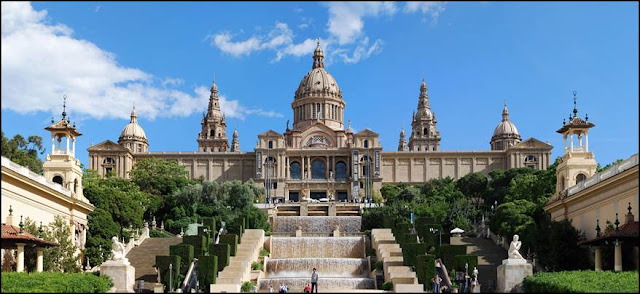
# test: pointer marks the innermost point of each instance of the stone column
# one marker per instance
(571, 139)
(39, 261)
(53, 143)
(618, 258)
(20, 259)
(73, 148)
(586, 141)
(67, 144)
(598, 259)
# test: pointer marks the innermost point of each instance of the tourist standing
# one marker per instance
(436, 283)
(314, 281)
(307, 288)
(270, 288)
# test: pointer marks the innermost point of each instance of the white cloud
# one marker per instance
(42, 61)
(345, 18)
(223, 41)
(362, 51)
(432, 8)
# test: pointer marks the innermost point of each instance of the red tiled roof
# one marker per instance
(12, 234)
(625, 231)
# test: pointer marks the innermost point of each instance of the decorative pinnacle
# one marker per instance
(21, 225)
(586, 117)
(40, 230)
(10, 210)
(629, 208)
(64, 106)
(575, 104)
(52, 121)
(617, 221)
(598, 228)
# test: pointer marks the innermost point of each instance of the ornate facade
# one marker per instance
(319, 158)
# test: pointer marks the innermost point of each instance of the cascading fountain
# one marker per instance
(339, 261)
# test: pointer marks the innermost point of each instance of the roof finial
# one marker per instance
(575, 104)
(598, 228)
(10, 210)
(64, 106)
(629, 208)
(617, 222)
(21, 225)
(40, 230)
(318, 56)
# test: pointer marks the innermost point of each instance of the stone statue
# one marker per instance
(514, 247)
(117, 249)
(475, 272)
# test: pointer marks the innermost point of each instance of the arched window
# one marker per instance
(366, 143)
(313, 111)
(57, 179)
(530, 159)
(109, 160)
(295, 170)
(341, 171)
(213, 133)
(75, 186)
(270, 144)
(561, 186)
(318, 169)
(580, 178)
(425, 131)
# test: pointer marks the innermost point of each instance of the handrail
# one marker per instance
(188, 282)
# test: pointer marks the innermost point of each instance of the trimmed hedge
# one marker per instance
(54, 282)
(223, 252)
(449, 252)
(232, 240)
(387, 286)
(431, 239)
(207, 271)
(198, 242)
(460, 260)
(401, 228)
(207, 236)
(388, 221)
(411, 250)
(425, 269)
(185, 251)
(210, 222)
(157, 234)
(582, 282)
(162, 263)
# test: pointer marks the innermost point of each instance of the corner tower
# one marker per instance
(424, 135)
(318, 98)
(133, 137)
(213, 136)
(61, 166)
(577, 163)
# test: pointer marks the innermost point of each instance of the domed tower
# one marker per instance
(578, 163)
(318, 98)
(424, 135)
(213, 136)
(402, 143)
(235, 144)
(505, 134)
(133, 137)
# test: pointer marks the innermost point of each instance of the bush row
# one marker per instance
(54, 282)
(582, 282)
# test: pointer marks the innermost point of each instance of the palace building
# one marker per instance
(318, 157)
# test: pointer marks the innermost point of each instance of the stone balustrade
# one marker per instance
(389, 252)
(239, 268)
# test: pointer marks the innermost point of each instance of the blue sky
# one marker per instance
(162, 56)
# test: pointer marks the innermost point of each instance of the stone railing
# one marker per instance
(601, 176)
(6, 162)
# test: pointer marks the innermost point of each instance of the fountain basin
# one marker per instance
(330, 267)
(328, 284)
(316, 224)
(317, 247)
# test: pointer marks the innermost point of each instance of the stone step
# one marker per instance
(143, 258)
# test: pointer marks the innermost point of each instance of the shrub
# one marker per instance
(185, 251)
(207, 271)
(449, 252)
(425, 269)
(461, 260)
(210, 222)
(198, 243)
(157, 234)
(387, 286)
(207, 236)
(264, 252)
(378, 265)
(162, 263)
(581, 282)
(54, 282)
(223, 252)
(247, 286)
(411, 250)
(232, 240)
(257, 266)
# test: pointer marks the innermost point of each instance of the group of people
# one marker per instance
(308, 288)
(467, 284)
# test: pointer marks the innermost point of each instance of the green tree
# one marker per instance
(24, 152)
(515, 218)
(599, 168)
(473, 186)
(565, 254)
(102, 228)
(61, 258)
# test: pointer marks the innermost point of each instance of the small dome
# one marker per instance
(133, 130)
(318, 82)
(506, 128)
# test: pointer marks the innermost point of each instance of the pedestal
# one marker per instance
(511, 273)
(122, 274)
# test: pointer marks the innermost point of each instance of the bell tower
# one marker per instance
(424, 135)
(577, 163)
(61, 166)
(213, 136)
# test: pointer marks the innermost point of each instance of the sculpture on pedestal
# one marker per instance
(117, 249)
(514, 247)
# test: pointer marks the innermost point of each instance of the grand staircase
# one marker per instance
(490, 256)
(143, 257)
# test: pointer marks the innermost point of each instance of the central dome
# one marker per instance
(318, 82)
(133, 131)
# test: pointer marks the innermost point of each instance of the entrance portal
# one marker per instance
(318, 195)
(342, 196)
(293, 196)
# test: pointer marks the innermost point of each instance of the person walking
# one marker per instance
(307, 288)
(270, 288)
(314, 281)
